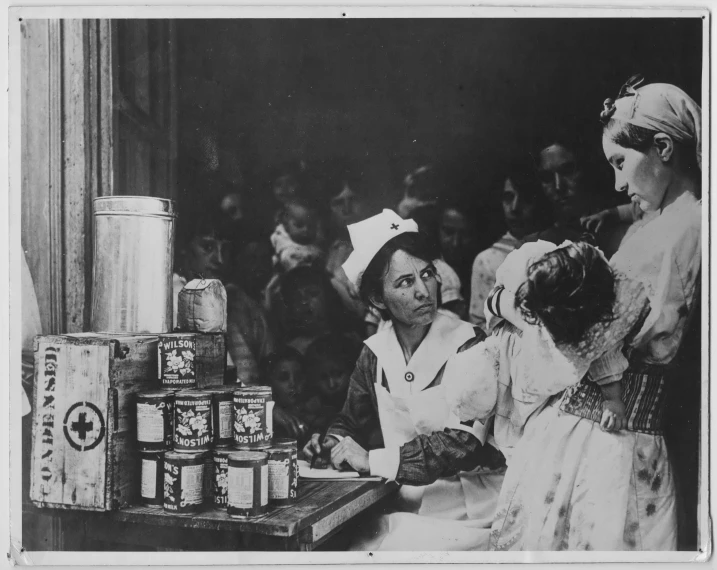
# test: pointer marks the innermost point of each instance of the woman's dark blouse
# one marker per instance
(425, 458)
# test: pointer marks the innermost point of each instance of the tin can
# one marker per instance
(132, 264)
(248, 489)
(155, 420)
(183, 481)
(176, 354)
(222, 415)
(253, 424)
(152, 478)
(192, 421)
(283, 472)
(208, 477)
(220, 478)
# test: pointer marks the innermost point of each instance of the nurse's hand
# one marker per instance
(314, 447)
(348, 451)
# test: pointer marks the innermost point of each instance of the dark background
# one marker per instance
(394, 93)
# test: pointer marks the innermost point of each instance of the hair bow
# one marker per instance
(627, 90)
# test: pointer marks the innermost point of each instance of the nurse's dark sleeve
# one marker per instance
(427, 458)
(359, 416)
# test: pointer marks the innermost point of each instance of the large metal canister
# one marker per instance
(132, 269)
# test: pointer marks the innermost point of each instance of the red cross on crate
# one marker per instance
(84, 426)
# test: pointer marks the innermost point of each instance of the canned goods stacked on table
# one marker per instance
(220, 478)
(283, 471)
(213, 448)
(184, 481)
(155, 420)
(152, 478)
(253, 424)
(248, 484)
(222, 415)
(176, 359)
(192, 421)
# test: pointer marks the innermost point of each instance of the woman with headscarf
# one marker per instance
(450, 475)
(570, 485)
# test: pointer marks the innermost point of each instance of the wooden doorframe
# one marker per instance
(70, 104)
(68, 158)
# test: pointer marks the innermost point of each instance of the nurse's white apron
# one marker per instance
(454, 513)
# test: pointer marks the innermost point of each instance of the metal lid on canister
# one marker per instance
(134, 206)
(219, 389)
(284, 442)
(189, 456)
(253, 390)
(177, 335)
(143, 453)
(248, 456)
(192, 394)
(159, 394)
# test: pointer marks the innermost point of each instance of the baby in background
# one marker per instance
(296, 238)
(296, 243)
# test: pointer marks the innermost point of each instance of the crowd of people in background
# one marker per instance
(294, 320)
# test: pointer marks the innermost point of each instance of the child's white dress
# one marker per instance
(571, 486)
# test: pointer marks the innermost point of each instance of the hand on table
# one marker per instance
(314, 448)
(350, 452)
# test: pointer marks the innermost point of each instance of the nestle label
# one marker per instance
(192, 424)
(252, 421)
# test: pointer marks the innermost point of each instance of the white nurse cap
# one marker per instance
(370, 235)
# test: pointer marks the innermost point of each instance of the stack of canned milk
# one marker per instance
(211, 448)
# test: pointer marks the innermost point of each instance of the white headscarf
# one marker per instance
(659, 107)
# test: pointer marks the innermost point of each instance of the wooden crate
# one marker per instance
(84, 432)
(211, 359)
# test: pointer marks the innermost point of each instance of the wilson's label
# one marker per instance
(176, 362)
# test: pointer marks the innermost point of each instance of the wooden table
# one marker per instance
(323, 508)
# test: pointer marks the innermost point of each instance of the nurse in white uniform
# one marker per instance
(396, 423)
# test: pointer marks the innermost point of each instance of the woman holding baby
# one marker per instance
(575, 479)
